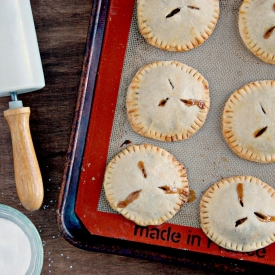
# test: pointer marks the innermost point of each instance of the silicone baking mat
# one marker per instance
(227, 65)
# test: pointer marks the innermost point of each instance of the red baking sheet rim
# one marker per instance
(96, 151)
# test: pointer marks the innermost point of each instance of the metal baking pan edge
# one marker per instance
(69, 224)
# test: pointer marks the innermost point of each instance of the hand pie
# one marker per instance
(257, 28)
(177, 25)
(146, 184)
(167, 101)
(239, 213)
(248, 121)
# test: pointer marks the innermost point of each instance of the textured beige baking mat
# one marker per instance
(227, 65)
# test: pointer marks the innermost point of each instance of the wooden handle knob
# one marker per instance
(28, 178)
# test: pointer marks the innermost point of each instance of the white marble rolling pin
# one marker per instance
(21, 72)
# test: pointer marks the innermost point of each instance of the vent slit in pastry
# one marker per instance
(239, 222)
(260, 132)
(130, 198)
(173, 12)
(263, 109)
(240, 193)
(163, 102)
(171, 84)
(194, 102)
(193, 7)
(169, 189)
(269, 32)
(174, 190)
(142, 168)
(264, 218)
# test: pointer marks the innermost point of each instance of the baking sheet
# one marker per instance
(227, 65)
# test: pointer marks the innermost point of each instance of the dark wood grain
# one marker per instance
(61, 29)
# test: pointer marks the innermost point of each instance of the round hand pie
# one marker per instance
(146, 184)
(256, 26)
(249, 121)
(168, 101)
(177, 25)
(239, 213)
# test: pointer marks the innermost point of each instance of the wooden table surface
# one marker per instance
(61, 29)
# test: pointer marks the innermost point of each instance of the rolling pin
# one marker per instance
(21, 72)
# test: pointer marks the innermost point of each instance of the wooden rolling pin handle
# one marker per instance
(28, 177)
